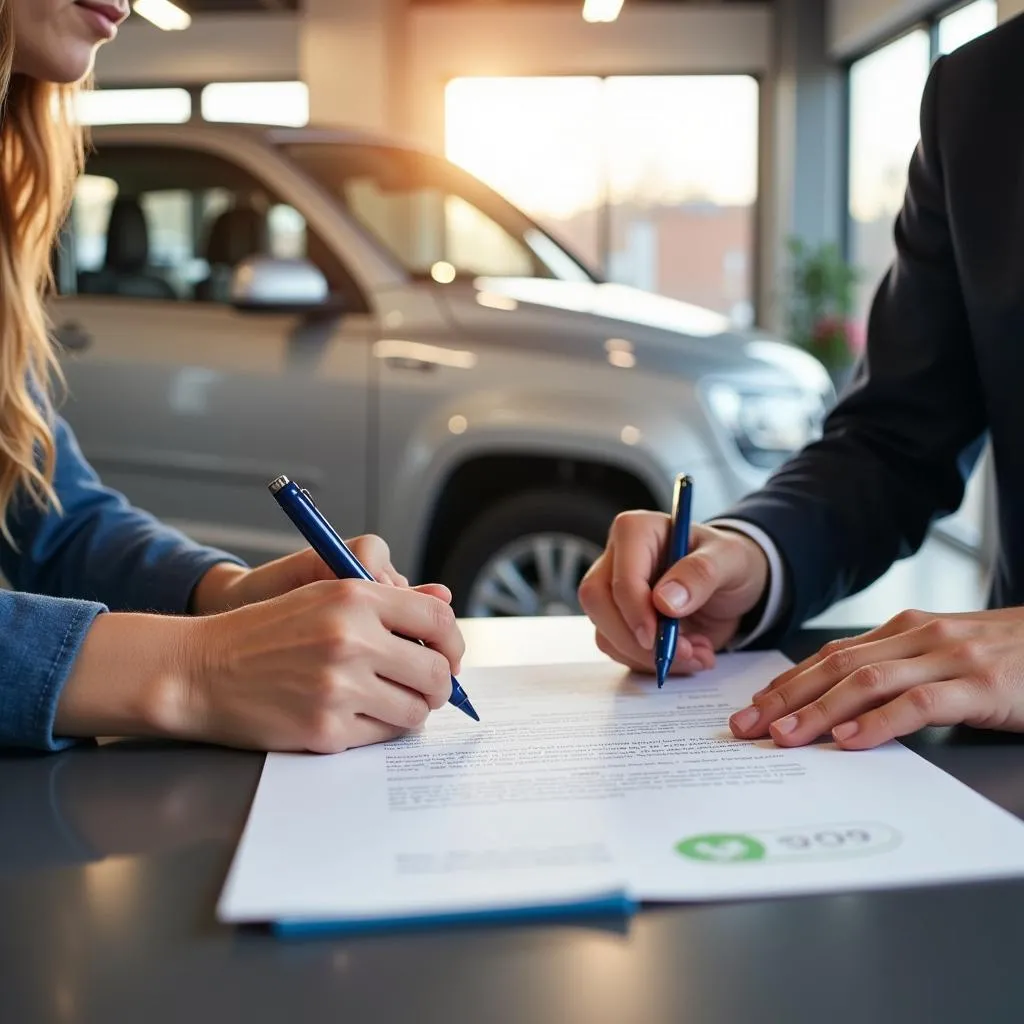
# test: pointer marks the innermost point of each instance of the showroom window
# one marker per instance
(886, 87)
(278, 103)
(635, 174)
(271, 103)
(133, 106)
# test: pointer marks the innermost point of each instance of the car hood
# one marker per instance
(591, 320)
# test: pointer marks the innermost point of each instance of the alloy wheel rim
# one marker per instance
(538, 574)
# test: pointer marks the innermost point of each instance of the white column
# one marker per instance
(348, 58)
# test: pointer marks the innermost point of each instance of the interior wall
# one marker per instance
(855, 25)
(449, 42)
(217, 48)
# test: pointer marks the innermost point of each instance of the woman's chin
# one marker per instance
(71, 64)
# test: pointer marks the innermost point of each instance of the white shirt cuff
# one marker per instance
(776, 578)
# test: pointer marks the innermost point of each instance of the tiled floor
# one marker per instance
(940, 577)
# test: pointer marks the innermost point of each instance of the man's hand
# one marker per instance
(722, 578)
(918, 669)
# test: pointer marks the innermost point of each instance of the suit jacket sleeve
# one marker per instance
(897, 449)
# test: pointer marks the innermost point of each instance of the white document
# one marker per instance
(583, 780)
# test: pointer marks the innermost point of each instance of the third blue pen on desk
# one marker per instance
(677, 548)
(300, 508)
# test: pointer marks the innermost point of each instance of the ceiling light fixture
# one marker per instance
(601, 10)
(162, 13)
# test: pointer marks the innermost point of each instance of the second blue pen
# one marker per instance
(678, 547)
(325, 541)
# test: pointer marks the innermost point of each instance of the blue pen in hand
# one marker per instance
(678, 547)
(322, 538)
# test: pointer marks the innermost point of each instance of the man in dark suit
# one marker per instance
(944, 364)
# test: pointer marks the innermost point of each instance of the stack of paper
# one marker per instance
(585, 788)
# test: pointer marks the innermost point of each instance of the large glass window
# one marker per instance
(281, 103)
(967, 23)
(885, 101)
(635, 173)
(886, 88)
(133, 106)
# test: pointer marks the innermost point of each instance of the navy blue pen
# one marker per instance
(678, 546)
(300, 508)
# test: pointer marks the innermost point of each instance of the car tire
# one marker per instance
(539, 534)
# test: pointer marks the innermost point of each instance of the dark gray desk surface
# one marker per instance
(111, 859)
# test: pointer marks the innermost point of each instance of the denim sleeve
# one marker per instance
(97, 553)
(39, 640)
(99, 548)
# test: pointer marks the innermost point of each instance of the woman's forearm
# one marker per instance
(131, 677)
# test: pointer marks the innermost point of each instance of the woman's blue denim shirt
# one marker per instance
(98, 554)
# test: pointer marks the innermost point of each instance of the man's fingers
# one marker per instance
(715, 562)
(865, 688)
(634, 556)
(905, 622)
(871, 663)
(700, 659)
(949, 702)
(605, 612)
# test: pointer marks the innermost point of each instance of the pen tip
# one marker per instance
(470, 710)
(661, 667)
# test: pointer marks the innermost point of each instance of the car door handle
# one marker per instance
(410, 363)
(72, 336)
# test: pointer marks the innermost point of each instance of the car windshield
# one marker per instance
(436, 219)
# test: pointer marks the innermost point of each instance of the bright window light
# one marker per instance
(164, 14)
(966, 24)
(284, 103)
(134, 106)
(601, 10)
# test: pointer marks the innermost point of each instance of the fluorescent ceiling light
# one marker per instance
(162, 13)
(601, 10)
(133, 106)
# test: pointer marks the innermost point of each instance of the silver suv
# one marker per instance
(237, 303)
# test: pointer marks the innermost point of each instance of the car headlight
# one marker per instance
(768, 425)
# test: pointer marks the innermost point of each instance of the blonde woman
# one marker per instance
(116, 624)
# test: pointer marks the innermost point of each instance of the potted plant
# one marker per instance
(820, 297)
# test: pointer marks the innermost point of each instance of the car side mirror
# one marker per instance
(262, 284)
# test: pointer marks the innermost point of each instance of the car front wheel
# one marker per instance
(528, 554)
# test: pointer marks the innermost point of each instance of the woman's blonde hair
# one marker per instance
(41, 150)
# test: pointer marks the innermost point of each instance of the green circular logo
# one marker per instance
(722, 848)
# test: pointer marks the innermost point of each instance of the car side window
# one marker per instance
(154, 223)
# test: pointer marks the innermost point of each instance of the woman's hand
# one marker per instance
(918, 669)
(319, 669)
(228, 586)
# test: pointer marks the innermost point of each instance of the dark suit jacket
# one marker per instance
(944, 360)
